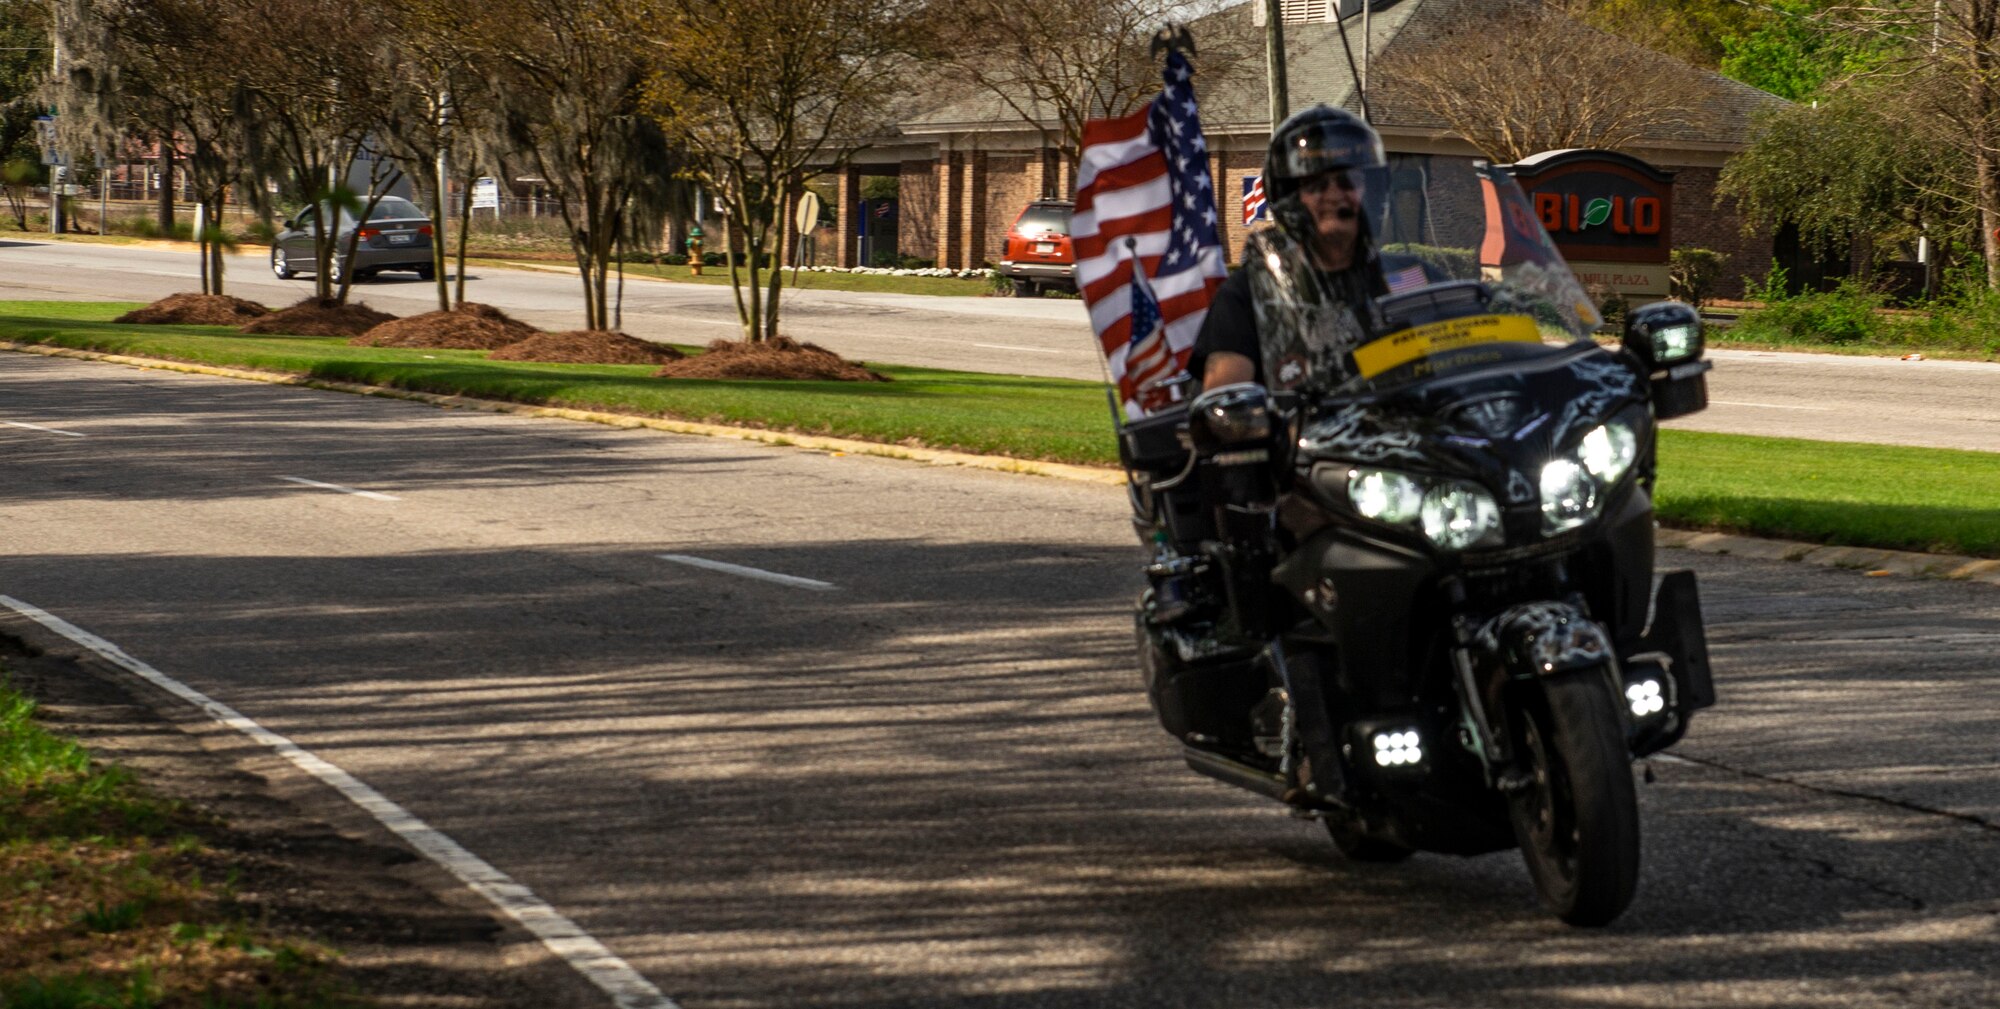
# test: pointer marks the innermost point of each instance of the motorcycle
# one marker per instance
(1406, 586)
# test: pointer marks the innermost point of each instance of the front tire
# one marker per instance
(1578, 821)
(1027, 289)
(281, 265)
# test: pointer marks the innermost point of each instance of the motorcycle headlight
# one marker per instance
(1608, 451)
(1569, 496)
(1458, 515)
(1385, 495)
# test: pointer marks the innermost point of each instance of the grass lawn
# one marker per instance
(102, 899)
(1052, 419)
(1922, 499)
(1863, 495)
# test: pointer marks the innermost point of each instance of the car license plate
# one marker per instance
(400, 239)
(1045, 247)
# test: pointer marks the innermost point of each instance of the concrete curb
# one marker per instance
(845, 446)
(1872, 561)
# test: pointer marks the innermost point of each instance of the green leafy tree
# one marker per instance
(24, 61)
(1797, 50)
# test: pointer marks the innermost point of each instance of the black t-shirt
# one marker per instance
(1231, 324)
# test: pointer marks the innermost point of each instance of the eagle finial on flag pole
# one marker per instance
(1174, 38)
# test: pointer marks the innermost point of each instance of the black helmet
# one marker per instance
(1316, 140)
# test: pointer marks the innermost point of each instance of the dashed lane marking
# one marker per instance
(627, 987)
(1031, 350)
(1770, 406)
(46, 430)
(758, 573)
(369, 494)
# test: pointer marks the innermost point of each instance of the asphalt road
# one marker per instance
(936, 783)
(1942, 404)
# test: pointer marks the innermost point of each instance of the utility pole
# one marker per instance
(55, 74)
(1274, 60)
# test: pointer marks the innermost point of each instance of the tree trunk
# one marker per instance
(438, 185)
(215, 249)
(165, 163)
(465, 224)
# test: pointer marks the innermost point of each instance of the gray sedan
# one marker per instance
(396, 236)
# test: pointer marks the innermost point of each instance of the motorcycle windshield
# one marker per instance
(1454, 271)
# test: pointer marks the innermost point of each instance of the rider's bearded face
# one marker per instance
(1333, 200)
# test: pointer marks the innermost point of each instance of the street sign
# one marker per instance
(808, 216)
(45, 131)
(486, 193)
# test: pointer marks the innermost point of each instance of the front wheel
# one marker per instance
(281, 264)
(1578, 819)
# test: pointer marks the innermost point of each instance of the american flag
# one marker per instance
(1253, 199)
(1148, 360)
(1408, 278)
(1144, 177)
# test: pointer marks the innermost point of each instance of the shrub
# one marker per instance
(1442, 261)
(1847, 315)
(998, 284)
(915, 263)
(1692, 274)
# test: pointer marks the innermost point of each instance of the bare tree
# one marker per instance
(441, 114)
(769, 93)
(1525, 78)
(1059, 63)
(315, 84)
(570, 81)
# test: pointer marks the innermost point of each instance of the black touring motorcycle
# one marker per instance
(1408, 588)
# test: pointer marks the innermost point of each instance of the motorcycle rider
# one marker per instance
(1313, 177)
(1313, 180)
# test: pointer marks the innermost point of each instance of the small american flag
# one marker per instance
(1253, 199)
(1408, 278)
(884, 209)
(1148, 360)
(1145, 208)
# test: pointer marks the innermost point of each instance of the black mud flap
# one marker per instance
(1679, 634)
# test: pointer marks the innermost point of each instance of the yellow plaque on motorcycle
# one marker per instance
(1443, 345)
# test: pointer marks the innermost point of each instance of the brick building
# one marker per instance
(967, 167)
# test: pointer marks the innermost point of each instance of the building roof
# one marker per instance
(1235, 100)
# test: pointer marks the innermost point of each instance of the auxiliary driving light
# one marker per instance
(1644, 697)
(1397, 749)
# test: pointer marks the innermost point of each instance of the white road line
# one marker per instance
(371, 495)
(38, 427)
(628, 988)
(1031, 350)
(1770, 406)
(758, 573)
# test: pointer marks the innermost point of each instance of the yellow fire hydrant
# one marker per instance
(694, 250)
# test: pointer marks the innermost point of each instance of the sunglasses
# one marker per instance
(1339, 177)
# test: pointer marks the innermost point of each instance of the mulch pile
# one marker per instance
(311, 317)
(470, 326)
(586, 346)
(779, 357)
(197, 310)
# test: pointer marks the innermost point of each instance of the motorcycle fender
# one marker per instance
(1546, 639)
(1536, 641)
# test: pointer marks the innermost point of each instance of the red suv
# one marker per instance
(1038, 256)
